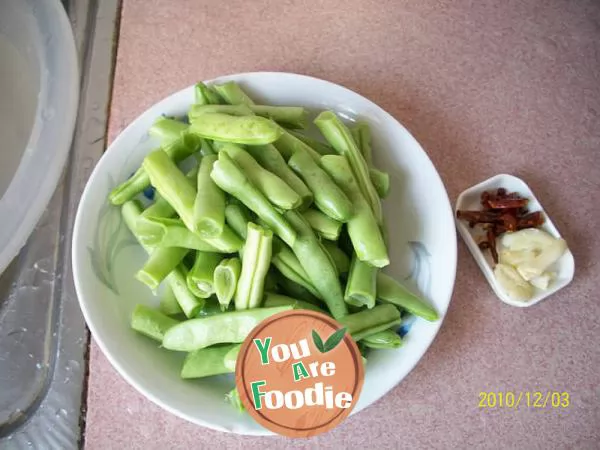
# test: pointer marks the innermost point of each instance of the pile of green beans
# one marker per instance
(268, 219)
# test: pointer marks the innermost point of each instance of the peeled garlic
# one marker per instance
(513, 284)
(543, 281)
(516, 257)
(531, 252)
(527, 239)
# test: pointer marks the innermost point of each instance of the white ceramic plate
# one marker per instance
(417, 212)
(470, 199)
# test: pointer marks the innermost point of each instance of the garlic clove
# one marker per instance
(516, 257)
(527, 239)
(548, 256)
(513, 284)
(543, 281)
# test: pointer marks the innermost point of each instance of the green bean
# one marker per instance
(177, 151)
(162, 261)
(157, 232)
(370, 321)
(232, 93)
(237, 216)
(271, 186)
(172, 185)
(340, 259)
(205, 95)
(329, 198)
(317, 264)
(228, 327)
(338, 135)
(233, 397)
(320, 147)
(212, 307)
(207, 362)
(250, 130)
(225, 280)
(190, 304)
(288, 145)
(232, 180)
(291, 116)
(383, 339)
(167, 130)
(296, 290)
(381, 182)
(272, 300)
(150, 322)
(161, 207)
(270, 158)
(325, 226)
(361, 286)
(231, 356)
(289, 266)
(233, 110)
(131, 211)
(361, 132)
(255, 264)
(209, 206)
(391, 291)
(362, 137)
(363, 228)
(168, 303)
(200, 277)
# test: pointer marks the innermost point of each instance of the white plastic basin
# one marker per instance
(39, 93)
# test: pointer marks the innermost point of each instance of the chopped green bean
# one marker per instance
(232, 93)
(228, 327)
(390, 291)
(363, 228)
(270, 185)
(325, 226)
(361, 287)
(231, 179)
(172, 185)
(207, 362)
(338, 135)
(177, 151)
(272, 300)
(383, 339)
(131, 211)
(209, 206)
(340, 259)
(200, 277)
(168, 302)
(205, 95)
(270, 158)
(370, 321)
(255, 264)
(329, 198)
(225, 281)
(317, 264)
(167, 130)
(320, 147)
(250, 130)
(162, 261)
(150, 322)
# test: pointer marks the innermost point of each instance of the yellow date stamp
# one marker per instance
(524, 399)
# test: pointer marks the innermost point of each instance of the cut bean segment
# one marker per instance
(228, 327)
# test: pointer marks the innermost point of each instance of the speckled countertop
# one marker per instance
(486, 87)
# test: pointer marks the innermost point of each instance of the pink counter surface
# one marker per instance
(486, 87)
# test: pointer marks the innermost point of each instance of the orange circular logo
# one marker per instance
(299, 373)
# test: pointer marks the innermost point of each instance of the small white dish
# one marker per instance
(470, 200)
